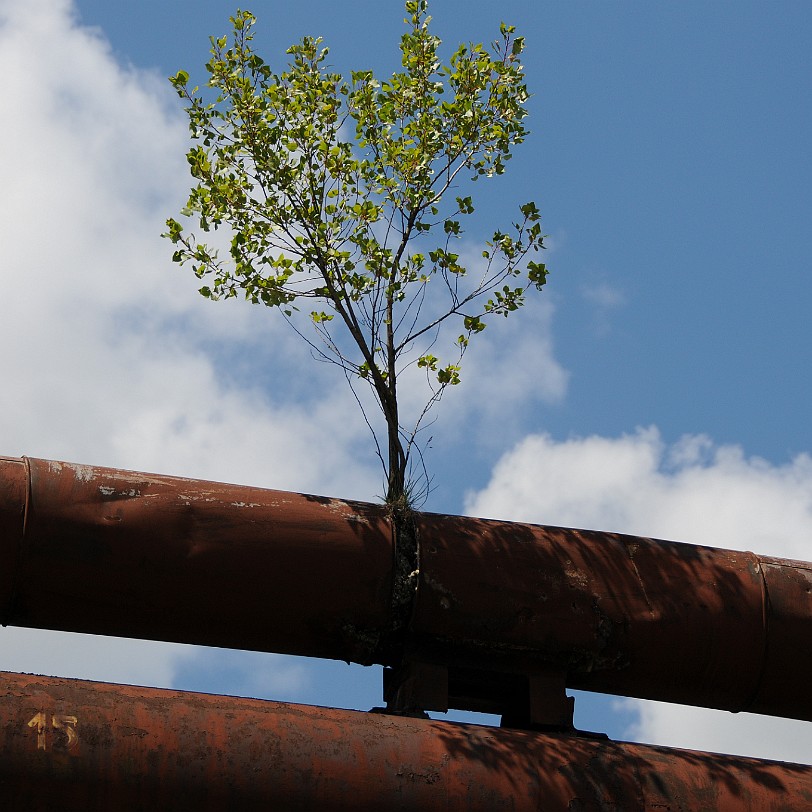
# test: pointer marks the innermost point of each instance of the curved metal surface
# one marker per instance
(13, 501)
(619, 614)
(69, 745)
(114, 552)
(141, 555)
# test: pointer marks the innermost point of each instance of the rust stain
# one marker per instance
(153, 749)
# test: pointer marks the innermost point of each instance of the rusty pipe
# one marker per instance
(128, 554)
(69, 744)
(113, 552)
(624, 615)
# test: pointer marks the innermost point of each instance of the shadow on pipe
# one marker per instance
(71, 744)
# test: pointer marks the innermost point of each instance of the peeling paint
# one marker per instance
(354, 517)
(83, 473)
(575, 577)
(130, 493)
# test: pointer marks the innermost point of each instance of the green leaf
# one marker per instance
(530, 211)
(449, 375)
(474, 324)
(537, 274)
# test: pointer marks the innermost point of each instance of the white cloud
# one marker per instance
(111, 357)
(512, 364)
(720, 732)
(83, 656)
(604, 300)
(603, 296)
(693, 491)
(507, 374)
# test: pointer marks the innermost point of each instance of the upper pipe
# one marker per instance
(106, 551)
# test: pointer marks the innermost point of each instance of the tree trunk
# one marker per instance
(396, 485)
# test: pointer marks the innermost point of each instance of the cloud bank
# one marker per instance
(693, 491)
(117, 360)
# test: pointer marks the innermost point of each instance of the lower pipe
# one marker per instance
(72, 745)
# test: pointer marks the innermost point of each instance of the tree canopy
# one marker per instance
(341, 203)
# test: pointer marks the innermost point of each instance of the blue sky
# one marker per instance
(659, 385)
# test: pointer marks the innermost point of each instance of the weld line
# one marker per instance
(8, 610)
(765, 614)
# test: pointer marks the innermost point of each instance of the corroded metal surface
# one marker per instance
(77, 745)
(619, 614)
(140, 555)
(492, 603)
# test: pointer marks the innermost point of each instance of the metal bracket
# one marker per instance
(534, 699)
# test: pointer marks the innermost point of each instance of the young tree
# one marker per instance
(342, 198)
